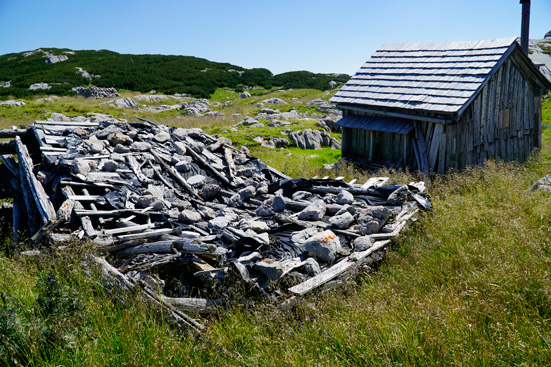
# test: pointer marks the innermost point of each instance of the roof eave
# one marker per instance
(445, 119)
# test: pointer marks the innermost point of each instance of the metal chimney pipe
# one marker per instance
(525, 26)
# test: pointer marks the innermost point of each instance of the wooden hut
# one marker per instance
(435, 106)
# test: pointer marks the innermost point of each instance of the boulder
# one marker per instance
(280, 142)
(209, 191)
(278, 101)
(12, 103)
(119, 138)
(372, 219)
(344, 197)
(245, 95)
(278, 123)
(125, 103)
(162, 137)
(140, 146)
(362, 243)
(324, 246)
(314, 211)
(311, 267)
(189, 216)
(37, 86)
(110, 165)
(342, 221)
(147, 201)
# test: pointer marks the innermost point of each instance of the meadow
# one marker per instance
(469, 284)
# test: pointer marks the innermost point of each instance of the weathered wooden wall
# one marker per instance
(504, 121)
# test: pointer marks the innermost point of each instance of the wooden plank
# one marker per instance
(435, 146)
(67, 123)
(422, 149)
(442, 155)
(201, 306)
(39, 197)
(335, 270)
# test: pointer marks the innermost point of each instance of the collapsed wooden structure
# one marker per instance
(436, 106)
(179, 213)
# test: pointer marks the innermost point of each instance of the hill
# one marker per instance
(24, 74)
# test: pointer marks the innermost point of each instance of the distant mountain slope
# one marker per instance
(63, 69)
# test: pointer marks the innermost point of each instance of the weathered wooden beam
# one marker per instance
(335, 270)
(12, 133)
(34, 193)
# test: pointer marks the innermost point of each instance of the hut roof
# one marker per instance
(429, 77)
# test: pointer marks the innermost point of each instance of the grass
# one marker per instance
(469, 284)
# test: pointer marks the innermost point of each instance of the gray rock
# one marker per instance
(121, 149)
(59, 117)
(110, 165)
(271, 206)
(245, 172)
(301, 195)
(258, 125)
(278, 123)
(270, 268)
(119, 138)
(12, 103)
(297, 139)
(189, 216)
(37, 86)
(314, 211)
(268, 111)
(372, 219)
(245, 95)
(182, 166)
(196, 180)
(311, 267)
(324, 246)
(344, 197)
(248, 121)
(312, 139)
(299, 238)
(219, 223)
(162, 137)
(140, 146)
(52, 59)
(362, 243)
(261, 188)
(147, 201)
(278, 101)
(246, 193)
(180, 147)
(335, 144)
(280, 142)
(81, 167)
(257, 226)
(209, 191)
(125, 103)
(342, 221)
(94, 146)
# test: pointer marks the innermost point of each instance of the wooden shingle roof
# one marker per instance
(427, 77)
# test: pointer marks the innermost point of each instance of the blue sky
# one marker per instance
(283, 35)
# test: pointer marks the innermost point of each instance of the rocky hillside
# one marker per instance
(58, 71)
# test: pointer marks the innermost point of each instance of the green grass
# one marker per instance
(469, 284)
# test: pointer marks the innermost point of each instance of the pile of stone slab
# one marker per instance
(186, 215)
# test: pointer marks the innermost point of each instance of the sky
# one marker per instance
(322, 36)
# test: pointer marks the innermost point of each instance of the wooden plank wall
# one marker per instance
(504, 122)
